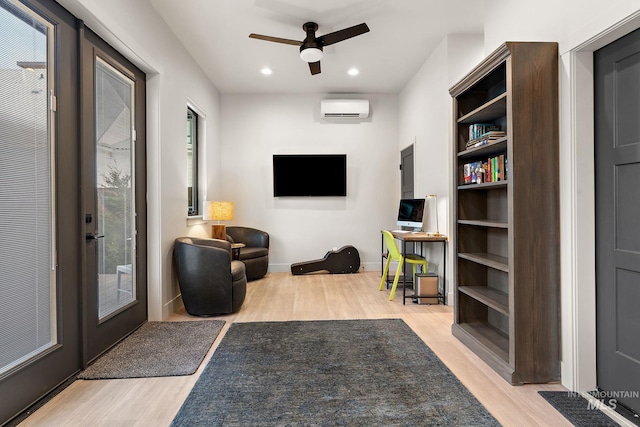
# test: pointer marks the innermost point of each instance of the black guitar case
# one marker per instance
(344, 260)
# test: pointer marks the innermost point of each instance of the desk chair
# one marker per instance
(395, 255)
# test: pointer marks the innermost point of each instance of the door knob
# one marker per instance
(90, 236)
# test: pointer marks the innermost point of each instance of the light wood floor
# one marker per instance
(282, 297)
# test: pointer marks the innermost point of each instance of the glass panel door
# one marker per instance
(113, 140)
(27, 263)
(40, 258)
(114, 100)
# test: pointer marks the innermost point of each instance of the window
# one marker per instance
(192, 162)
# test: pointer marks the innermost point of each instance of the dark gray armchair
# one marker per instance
(210, 281)
(255, 255)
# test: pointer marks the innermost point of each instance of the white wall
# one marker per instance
(543, 20)
(173, 80)
(424, 118)
(254, 127)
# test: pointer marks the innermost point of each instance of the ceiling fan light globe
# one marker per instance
(311, 54)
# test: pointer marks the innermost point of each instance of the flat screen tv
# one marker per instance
(411, 213)
(305, 175)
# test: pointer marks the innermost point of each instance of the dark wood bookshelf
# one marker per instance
(505, 242)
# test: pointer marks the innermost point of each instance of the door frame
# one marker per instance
(577, 195)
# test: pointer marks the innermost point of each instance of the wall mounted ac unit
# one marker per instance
(344, 108)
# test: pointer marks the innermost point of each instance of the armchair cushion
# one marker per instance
(238, 270)
(251, 252)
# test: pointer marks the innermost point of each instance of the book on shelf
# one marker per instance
(467, 173)
(473, 172)
(484, 139)
(492, 170)
(478, 129)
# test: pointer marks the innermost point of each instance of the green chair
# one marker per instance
(395, 255)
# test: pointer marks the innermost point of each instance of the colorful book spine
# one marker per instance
(493, 170)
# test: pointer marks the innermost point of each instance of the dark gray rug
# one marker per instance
(576, 409)
(328, 373)
(157, 349)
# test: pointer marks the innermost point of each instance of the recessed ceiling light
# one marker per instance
(353, 72)
(266, 71)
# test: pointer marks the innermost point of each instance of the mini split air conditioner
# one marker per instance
(344, 108)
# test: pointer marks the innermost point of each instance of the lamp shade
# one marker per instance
(217, 211)
(435, 198)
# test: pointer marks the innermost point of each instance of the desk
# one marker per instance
(421, 237)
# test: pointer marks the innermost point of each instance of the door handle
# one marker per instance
(90, 236)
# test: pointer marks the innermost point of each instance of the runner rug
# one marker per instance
(328, 373)
(157, 349)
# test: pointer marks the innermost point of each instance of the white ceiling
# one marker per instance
(403, 34)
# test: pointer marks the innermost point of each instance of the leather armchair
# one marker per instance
(255, 255)
(210, 281)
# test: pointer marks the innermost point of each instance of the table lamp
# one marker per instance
(437, 232)
(218, 211)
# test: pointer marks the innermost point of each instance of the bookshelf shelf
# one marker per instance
(487, 336)
(506, 278)
(490, 149)
(489, 111)
(493, 298)
(490, 260)
(483, 185)
(484, 223)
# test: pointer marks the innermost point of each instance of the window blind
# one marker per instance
(27, 315)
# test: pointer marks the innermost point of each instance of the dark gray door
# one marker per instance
(40, 212)
(406, 173)
(617, 178)
(113, 141)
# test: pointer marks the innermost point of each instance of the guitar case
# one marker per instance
(344, 260)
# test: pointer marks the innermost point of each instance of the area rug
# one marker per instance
(577, 409)
(328, 373)
(157, 349)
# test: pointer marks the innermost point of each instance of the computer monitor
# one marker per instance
(411, 213)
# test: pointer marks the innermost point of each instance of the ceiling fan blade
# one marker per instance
(275, 39)
(338, 36)
(314, 67)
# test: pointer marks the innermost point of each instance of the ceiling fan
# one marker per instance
(311, 46)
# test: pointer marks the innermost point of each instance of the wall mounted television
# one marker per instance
(303, 175)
